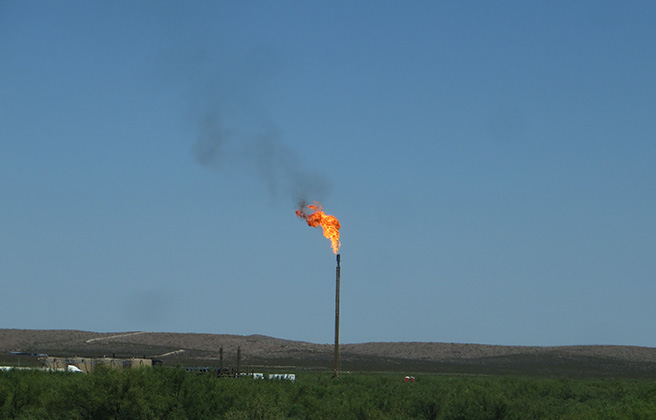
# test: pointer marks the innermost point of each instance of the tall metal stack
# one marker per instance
(337, 279)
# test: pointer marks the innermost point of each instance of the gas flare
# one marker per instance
(314, 216)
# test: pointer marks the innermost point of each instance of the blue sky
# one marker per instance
(491, 163)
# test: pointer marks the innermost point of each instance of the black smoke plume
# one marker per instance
(263, 152)
(234, 132)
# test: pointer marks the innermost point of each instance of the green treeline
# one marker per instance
(166, 393)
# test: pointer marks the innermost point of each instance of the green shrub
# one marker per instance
(174, 394)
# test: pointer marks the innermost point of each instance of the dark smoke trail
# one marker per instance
(263, 152)
(233, 132)
(211, 141)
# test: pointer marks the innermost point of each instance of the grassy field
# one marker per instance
(169, 393)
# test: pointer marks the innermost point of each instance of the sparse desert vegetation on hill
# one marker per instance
(262, 351)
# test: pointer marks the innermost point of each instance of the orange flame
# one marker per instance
(317, 217)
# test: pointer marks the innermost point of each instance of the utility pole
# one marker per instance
(238, 359)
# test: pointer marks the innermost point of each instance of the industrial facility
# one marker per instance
(88, 365)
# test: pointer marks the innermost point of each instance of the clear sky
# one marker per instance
(492, 165)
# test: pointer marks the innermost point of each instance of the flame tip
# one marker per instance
(329, 223)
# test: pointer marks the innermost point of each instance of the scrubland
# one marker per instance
(173, 393)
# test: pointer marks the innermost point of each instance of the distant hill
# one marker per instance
(262, 352)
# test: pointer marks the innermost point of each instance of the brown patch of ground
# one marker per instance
(263, 351)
